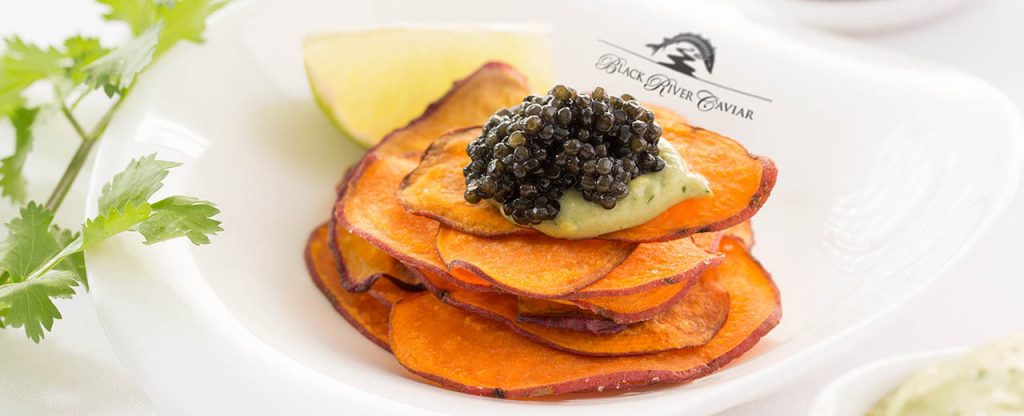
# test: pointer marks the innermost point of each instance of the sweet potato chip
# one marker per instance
(740, 184)
(743, 231)
(535, 265)
(652, 265)
(368, 208)
(570, 317)
(626, 309)
(360, 263)
(469, 102)
(689, 322)
(435, 189)
(388, 293)
(364, 311)
(480, 356)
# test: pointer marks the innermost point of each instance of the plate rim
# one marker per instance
(749, 387)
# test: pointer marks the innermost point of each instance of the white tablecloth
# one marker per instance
(75, 371)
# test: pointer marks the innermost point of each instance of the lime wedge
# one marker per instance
(371, 82)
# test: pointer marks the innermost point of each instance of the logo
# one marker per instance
(684, 53)
(689, 54)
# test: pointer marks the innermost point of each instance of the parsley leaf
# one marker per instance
(12, 183)
(182, 19)
(138, 14)
(29, 243)
(185, 20)
(114, 222)
(181, 216)
(115, 72)
(139, 181)
(21, 65)
(28, 61)
(82, 51)
(29, 303)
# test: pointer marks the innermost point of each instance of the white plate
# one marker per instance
(861, 16)
(856, 392)
(889, 169)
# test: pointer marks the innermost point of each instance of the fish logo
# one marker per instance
(682, 49)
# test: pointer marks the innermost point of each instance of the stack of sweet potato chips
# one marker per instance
(475, 303)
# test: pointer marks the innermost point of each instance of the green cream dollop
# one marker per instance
(649, 195)
(988, 381)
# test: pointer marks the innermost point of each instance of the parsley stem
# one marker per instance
(82, 154)
(78, 100)
(101, 126)
(70, 173)
(74, 121)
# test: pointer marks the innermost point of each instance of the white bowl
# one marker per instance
(889, 170)
(856, 392)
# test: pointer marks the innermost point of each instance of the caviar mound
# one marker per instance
(536, 266)
(480, 356)
(740, 184)
(364, 311)
(526, 156)
(360, 263)
(691, 322)
(469, 102)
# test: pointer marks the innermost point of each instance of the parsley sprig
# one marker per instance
(39, 260)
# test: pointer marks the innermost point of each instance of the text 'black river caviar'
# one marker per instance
(528, 155)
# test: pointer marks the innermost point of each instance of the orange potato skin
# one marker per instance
(653, 265)
(473, 263)
(627, 309)
(535, 266)
(649, 266)
(688, 323)
(360, 264)
(564, 316)
(744, 232)
(638, 307)
(364, 311)
(478, 356)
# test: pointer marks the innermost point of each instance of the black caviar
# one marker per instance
(528, 155)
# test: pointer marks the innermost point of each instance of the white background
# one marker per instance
(74, 371)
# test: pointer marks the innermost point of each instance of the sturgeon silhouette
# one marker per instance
(703, 45)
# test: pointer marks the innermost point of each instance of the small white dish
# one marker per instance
(890, 169)
(856, 392)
